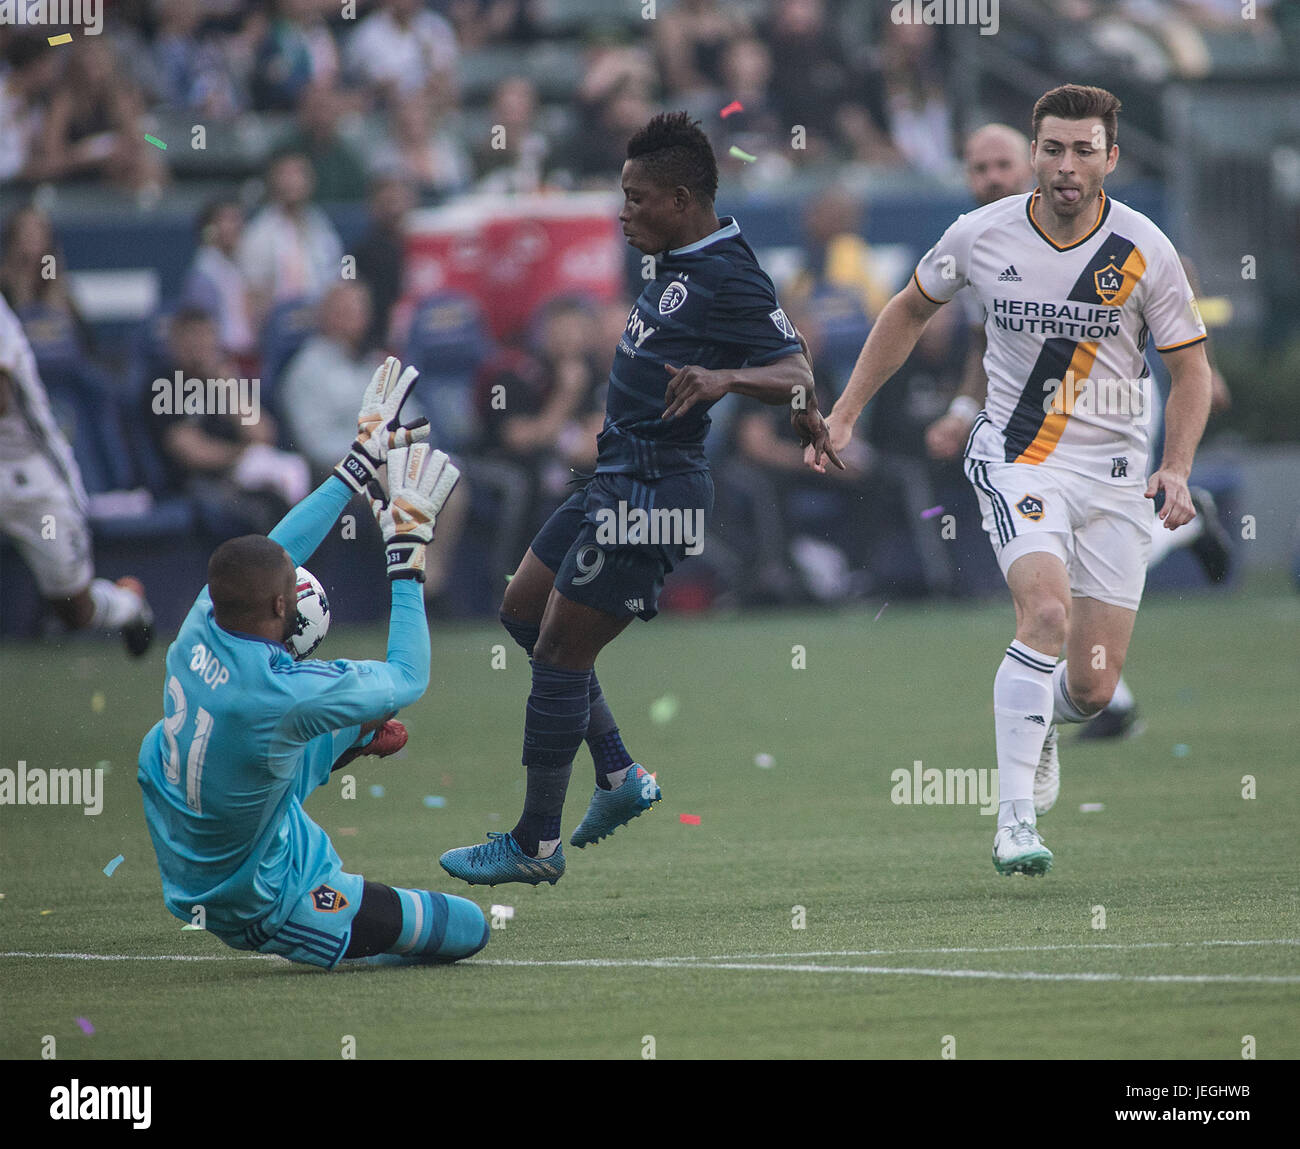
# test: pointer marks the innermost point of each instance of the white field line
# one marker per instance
(234, 955)
(998, 949)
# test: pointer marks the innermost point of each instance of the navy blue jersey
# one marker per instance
(709, 305)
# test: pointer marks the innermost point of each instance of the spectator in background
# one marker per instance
(691, 40)
(36, 290)
(613, 103)
(420, 149)
(191, 68)
(215, 283)
(818, 86)
(381, 254)
(31, 71)
(838, 256)
(920, 123)
(290, 249)
(94, 129)
(511, 159)
(480, 22)
(747, 75)
(319, 389)
(339, 171)
(240, 482)
(546, 418)
(296, 50)
(402, 48)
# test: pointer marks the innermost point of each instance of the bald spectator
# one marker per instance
(318, 394)
(290, 250)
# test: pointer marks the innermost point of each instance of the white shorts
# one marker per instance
(41, 516)
(1101, 532)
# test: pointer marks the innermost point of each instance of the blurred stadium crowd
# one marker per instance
(418, 104)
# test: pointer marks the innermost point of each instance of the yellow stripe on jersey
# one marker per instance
(916, 279)
(1179, 346)
(1134, 268)
(1049, 434)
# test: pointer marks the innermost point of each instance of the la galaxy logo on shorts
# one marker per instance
(673, 297)
(327, 899)
(783, 325)
(1109, 280)
(1031, 506)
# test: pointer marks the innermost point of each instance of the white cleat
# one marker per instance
(1047, 778)
(1019, 850)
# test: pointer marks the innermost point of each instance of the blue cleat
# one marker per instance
(611, 809)
(501, 859)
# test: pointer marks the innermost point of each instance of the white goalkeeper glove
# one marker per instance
(420, 480)
(379, 429)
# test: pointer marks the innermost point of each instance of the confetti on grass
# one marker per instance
(97, 701)
(86, 1027)
(741, 154)
(1181, 750)
(731, 109)
(113, 865)
(1092, 808)
(505, 913)
(879, 613)
(55, 41)
(930, 512)
(192, 926)
(347, 831)
(376, 791)
(663, 710)
(157, 143)
(764, 761)
(689, 819)
(435, 801)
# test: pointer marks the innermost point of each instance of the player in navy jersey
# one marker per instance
(707, 324)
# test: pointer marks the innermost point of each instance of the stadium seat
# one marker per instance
(447, 344)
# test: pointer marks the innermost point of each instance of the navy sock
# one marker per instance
(555, 725)
(607, 749)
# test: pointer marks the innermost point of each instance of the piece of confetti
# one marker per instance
(663, 710)
(1181, 750)
(157, 143)
(764, 761)
(55, 41)
(930, 512)
(505, 913)
(86, 1027)
(741, 154)
(731, 109)
(1092, 808)
(347, 831)
(97, 701)
(113, 865)
(192, 926)
(44, 912)
(689, 819)
(435, 801)
(376, 791)
(879, 613)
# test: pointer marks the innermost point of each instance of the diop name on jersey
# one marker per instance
(1071, 396)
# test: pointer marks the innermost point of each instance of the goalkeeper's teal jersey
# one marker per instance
(242, 721)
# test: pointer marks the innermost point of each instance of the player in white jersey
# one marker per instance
(43, 504)
(1073, 285)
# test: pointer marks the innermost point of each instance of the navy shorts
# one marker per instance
(612, 542)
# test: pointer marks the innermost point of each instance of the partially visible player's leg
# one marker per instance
(398, 926)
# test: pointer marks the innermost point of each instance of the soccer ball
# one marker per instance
(313, 617)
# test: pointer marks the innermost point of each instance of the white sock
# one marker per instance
(1165, 541)
(1012, 813)
(1022, 711)
(1122, 700)
(1063, 707)
(547, 848)
(115, 606)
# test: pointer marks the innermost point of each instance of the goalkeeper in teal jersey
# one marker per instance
(248, 732)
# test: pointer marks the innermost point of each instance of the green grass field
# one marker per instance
(684, 932)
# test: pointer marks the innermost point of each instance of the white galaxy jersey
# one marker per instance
(27, 424)
(1067, 328)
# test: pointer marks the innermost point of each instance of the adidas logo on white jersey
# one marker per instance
(1009, 275)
